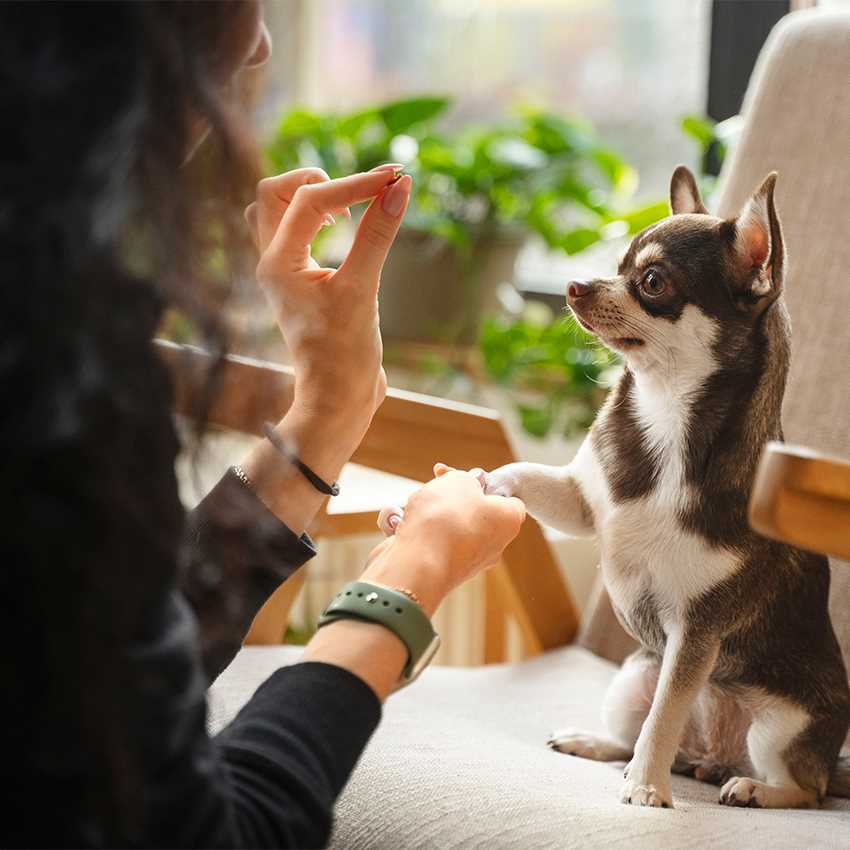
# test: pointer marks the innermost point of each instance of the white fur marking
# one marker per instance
(775, 725)
(641, 540)
(649, 253)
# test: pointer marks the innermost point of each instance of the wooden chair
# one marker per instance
(409, 433)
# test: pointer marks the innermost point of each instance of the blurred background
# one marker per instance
(541, 135)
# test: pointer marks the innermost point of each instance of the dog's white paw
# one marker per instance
(501, 482)
(636, 793)
(751, 793)
(741, 791)
(573, 742)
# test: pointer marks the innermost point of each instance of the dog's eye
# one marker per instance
(652, 285)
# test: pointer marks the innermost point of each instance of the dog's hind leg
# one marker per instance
(792, 752)
(627, 702)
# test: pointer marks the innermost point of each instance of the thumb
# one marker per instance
(376, 232)
(510, 508)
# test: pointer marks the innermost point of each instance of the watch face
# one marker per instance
(426, 658)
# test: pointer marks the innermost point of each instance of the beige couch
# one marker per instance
(460, 759)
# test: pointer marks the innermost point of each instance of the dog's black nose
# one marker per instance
(578, 289)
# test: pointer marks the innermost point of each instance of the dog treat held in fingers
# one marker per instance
(739, 679)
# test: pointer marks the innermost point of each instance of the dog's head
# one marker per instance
(691, 284)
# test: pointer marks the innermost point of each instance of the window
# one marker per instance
(632, 68)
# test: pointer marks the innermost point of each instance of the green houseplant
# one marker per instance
(478, 193)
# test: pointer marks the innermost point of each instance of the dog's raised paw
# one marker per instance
(635, 794)
(500, 482)
(741, 791)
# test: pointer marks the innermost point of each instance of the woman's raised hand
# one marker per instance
(328, 317)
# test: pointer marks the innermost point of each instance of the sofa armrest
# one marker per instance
(803, 498)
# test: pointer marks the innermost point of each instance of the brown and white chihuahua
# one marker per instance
(739, 678)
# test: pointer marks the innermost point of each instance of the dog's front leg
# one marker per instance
(687, 663)
(552, 494)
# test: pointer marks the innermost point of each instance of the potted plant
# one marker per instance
(478, 194)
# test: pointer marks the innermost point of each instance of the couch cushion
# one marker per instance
(459, 761)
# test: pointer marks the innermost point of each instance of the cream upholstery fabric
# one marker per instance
(797, 114)
(459, 761)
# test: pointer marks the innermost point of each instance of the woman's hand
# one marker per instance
(328, 317)
(329, 320)
(448, 532)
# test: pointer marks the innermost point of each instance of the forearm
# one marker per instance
(236, 554)
(368, 650)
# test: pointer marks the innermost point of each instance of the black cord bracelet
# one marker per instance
(280, 445)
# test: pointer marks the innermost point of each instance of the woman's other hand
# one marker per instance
(328, 317)
(447, 533)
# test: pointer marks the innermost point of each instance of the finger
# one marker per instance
(376, 232)
(311, 203)
(251, 218)
(275, 194)
(481, 475)
(389, 519)
(441, 469)
(510, 507)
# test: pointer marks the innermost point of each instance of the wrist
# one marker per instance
(419, 570)
(354, 395)
(323, 438)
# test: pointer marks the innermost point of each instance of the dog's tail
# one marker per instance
(839, 783)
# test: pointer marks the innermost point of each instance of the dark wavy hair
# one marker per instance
(102, 229)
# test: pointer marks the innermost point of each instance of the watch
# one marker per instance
(374, 603)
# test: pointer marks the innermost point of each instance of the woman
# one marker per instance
(105, 663)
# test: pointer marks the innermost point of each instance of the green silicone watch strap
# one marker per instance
(374, 603)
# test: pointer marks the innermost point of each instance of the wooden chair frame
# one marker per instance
(408, 434)
(802, 497)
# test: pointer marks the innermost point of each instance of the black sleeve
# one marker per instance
(270, 778)
(296, 743)
(235, 556)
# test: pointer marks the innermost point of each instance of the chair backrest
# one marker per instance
(797, 122)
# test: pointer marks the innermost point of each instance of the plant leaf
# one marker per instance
(701, 129)
(400, 115)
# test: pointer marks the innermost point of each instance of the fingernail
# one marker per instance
(396, 196)
(387, 166)
(328, 220)
(346, 212)
(394, 520)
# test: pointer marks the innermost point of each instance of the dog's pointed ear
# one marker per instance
(684, 194)
(758, 248)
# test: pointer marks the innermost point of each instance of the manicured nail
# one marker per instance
(396, 196)
(387, 166)
(394, 520)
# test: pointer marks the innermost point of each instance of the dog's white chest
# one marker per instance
(644, 548)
